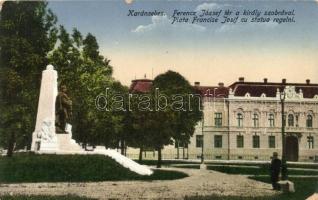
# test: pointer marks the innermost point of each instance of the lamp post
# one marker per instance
(202, 130)
(284, 164)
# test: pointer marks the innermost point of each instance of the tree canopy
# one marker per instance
(23, 55)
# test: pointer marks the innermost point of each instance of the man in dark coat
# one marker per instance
(63, 109)
(275, 170)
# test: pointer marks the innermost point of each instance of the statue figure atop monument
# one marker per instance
(63, 110)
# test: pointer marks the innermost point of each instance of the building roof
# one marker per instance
(144, 86)
(140, 85)
(239, 88)
(256, 89)
(212, 91)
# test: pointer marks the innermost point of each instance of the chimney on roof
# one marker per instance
(221, 84)
(307, 81)
(241, 79)
(284, 80)
(265, 80)
(196, 83)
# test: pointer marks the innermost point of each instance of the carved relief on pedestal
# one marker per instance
(47, 132)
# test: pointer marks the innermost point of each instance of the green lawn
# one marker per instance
(29, 167)
(248, 170)
(304, 187)
(262, 170)
(43, 197)
(165, 162)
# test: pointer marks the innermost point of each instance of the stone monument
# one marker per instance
(44, 137)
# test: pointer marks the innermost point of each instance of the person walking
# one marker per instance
(275, 170)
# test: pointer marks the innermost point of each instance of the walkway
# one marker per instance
(200, 182)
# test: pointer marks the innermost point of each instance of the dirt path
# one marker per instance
(200, 182)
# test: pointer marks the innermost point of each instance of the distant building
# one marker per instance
(244, 121)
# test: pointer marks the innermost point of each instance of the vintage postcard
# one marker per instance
(159, 99)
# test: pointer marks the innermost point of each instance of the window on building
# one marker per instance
(271, 141)
(199, 140)
(240, 141)
(309, 121)
(255, 120)
(290, 120)
(271, 120)
(218, 141)
(218, 119)
(255, 141)
(239, 120)
(310, 141)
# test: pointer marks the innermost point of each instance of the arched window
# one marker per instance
(239, 120)
(290, 120)
(271, 120)
(309, 121)
(255, 120)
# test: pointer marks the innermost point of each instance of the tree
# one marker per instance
(27, 34)
(177, 121)
(140, 130)
(87, 74)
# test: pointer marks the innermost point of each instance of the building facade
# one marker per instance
(244, 121)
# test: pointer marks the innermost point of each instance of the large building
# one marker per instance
(244, 121)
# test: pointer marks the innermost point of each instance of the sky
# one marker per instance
(204, 52)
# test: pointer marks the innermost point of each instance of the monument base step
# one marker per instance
(66, 143)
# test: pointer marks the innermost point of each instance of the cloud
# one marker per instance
(163, 23)
(213, 6)
(207, 6)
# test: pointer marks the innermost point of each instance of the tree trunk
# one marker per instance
(140, 154)
(177, 149)
(11, 143)
(159, 158)
(122, 147)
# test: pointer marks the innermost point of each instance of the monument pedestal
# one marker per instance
(66, 143)
(43, 137)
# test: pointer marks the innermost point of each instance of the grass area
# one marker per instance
(43, 197)
(220, 197)
(247, 170)
(165, 162)
(264, 170)
(29, 167)
(195, 164)
(304, 187)
(188, 166)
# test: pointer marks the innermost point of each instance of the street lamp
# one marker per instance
(202, 130)
(284, 164)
